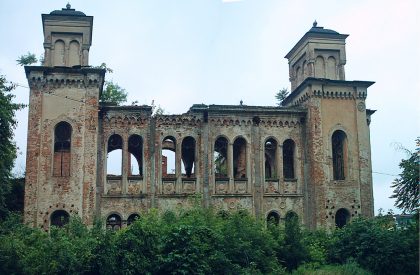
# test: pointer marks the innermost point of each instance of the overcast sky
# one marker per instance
(178, 53)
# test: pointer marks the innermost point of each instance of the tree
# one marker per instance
(113, 94)
(406, 190)
(7, 146)
(281, 95)
(27, 59)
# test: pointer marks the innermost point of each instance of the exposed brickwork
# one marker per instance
(77, 181)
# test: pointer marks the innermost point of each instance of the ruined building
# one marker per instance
(309, 158)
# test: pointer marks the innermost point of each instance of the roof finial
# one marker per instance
(241, 102)
(68, 6)
(314, 24)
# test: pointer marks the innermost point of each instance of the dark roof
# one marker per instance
(317, 32)
(68, 11)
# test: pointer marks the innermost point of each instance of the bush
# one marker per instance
(380, 249)
(345, 269)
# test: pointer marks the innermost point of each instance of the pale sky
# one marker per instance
(178, 53)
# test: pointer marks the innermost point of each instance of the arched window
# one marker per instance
(239, 158)
(270, 155)
(59, 53)
(114, 156)
(289, 159)
(331, 68)
(169, 157)
(132, 218)
(298, 75)
(339, 154)
(59, 218)
(62, 146)
(113, 222)
(135, 148)
(342, 217)
(74, 53)
(188, 156)
(220, 157)
(273, 218)
(319, 67)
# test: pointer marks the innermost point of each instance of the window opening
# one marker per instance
(62, 146)
(188, 156)
(220, 157)
(288, 159)
(59, 218)
(239, 158)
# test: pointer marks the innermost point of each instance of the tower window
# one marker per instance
(288, 159)
(342, 217)
(113, 222)
(62, 146)
(339, 154)
(220, 157)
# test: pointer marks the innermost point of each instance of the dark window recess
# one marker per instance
(239, 158)
(270, 150)
(288, 159)
(273, 218)
(59, 218)
(342, 217)
(135, 148)
(338, 152)
(188, 155)
(132, 218)
(62, 146)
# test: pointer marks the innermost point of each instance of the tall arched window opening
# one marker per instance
(59, 218)
(220, 157)
(239, 158)
(114, 156)
(188, 156)
(270, 162)
(168, 157)
(113, 222)
(289, 159)
(62, 148)
(319, 67)
(342, 217)
(135, 149)
(339, 154)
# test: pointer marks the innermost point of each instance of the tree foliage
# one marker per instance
(27, 59)
(7, 147)
(406, 187)
(113, 94)
(281, 95)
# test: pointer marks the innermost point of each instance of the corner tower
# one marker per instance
(62, 145)
(67, 37)
(338, 174)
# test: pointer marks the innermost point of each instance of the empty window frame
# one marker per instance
(289, 159)
(114, 156)
(270, 161)
(169, 157)
(339, 154)
(59, 218)
(113, 222)
(239, 158)
(62, 148)
(220, 157)
(188, 156)
(135, 149)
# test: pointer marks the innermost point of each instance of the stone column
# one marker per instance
(124, 174)
(279, 163)
(230, 166)
(248, 167)
(178, 172)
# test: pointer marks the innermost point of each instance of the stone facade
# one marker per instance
(310, 157)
